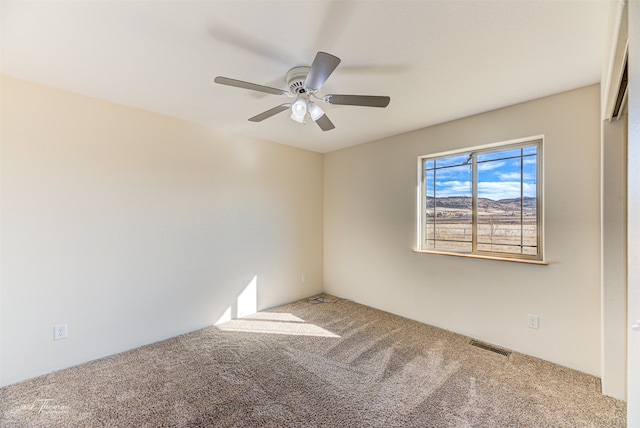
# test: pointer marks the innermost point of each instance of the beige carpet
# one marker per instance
(313, 364)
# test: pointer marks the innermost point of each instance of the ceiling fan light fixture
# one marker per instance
(299, 110)
(315, 112)
(304, 83)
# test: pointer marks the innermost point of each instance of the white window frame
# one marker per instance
(504, 256)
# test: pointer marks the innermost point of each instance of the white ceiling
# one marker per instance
(438, 60)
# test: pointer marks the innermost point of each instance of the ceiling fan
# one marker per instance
(304, 84)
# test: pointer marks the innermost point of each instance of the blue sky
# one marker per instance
(498, 178)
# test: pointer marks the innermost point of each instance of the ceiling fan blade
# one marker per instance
(358, 100)
(267, 114)
(321, 68)
(247, 85)
(324, 123)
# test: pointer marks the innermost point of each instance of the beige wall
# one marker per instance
(370, 223)
(132, 227)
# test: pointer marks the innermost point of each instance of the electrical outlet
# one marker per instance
(59, 331)
(533, 321)
(304, 278)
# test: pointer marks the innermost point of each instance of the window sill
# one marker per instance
(480, 256)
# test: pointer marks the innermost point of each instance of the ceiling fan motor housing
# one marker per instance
(295, 79)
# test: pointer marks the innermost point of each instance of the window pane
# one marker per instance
(506, 217)
(448, 223)
(430, 188)
(453, 208)
(529, 204)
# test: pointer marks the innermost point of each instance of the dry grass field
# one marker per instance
(499, 234)
(501, 228)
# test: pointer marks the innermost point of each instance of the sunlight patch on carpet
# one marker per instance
(275, 323)
(274, 316)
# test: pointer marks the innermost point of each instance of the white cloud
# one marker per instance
(509, 176)
(453, 188)
(512, 176)
(497, 190)
(488, 166)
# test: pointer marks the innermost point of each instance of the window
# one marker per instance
(484, 202)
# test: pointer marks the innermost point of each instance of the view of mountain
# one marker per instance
(454, 203)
